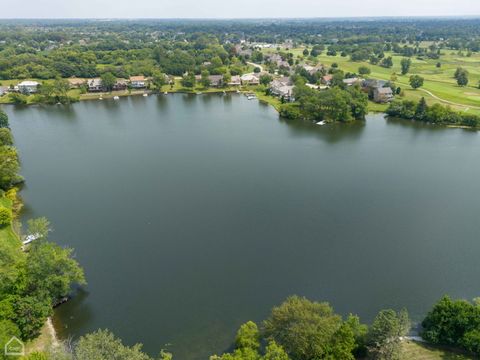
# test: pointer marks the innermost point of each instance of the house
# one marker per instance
(250, 79)
(370, 84)
(378, 90)
(95, 85)
(235, 81)
(216, 80)
(28, 87)
(283, 88)
(75, 83)
(351, 81)
(327, 79)
(312, 70)
(120, 84)
(382, 94)
(138, 82)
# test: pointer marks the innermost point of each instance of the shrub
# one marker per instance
(5, 216)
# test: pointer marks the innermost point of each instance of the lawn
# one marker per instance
(418, 351)
(7, 234)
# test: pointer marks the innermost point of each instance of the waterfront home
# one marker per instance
(283, 88)
(250, 79)
(28, 87)
(76, 82)
(216, 80)
(382, 95)
(235, 81)
(120, 84)
(138, 82)
(95, 85)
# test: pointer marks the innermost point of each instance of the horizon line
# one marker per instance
(476, 16)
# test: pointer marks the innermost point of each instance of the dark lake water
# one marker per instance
(194, 214)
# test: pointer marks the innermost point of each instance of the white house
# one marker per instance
(28, 87)
(138, 82)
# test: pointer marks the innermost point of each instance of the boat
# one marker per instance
(238, 91)
(165, 93)
(145, 95)
(251, 97)
(116, 98)
(323, 122)
(100, 98)
(199, 93)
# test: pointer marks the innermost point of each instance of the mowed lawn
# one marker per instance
(418, 351)
(439, 81)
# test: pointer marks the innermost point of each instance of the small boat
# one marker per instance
(100, 98)
(165, 93)
(238, 91)
(199, 93)
(251, 97)
(323, 122)
(145, 95)
(116, 98)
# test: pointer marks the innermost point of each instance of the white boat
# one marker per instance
(323, 122)
(165, 93)
(145, 95)
(251, 97)
(100, 98)
(116, 98)
(199, 93)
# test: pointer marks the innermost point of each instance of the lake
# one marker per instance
(194, 214)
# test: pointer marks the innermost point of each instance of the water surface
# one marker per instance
(194, 214)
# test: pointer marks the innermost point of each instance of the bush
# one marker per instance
(5, 216)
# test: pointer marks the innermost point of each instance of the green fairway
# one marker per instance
(439, 82)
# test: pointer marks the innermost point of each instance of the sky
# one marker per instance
(235, 9)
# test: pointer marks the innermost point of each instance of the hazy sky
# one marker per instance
(234, 9)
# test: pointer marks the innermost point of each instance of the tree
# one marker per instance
(265, 79)
(3, 119)
(387, 62)
(274, 351)
(108, 81)
(159, 79)
(188, 80)
(416, 81)
(453, 323)
(30, 314)
(102, 344)
(305, 52)
(364, 70)
(7, 330)
(386, 332)
(462, 78)
(405, 64)
(9, 167)
(6, 138)
(5, 216)
(51, 269)
(257, 70)
(205, 80)
(308, 330)
(248, 336)
(421, 110)
(39, 226)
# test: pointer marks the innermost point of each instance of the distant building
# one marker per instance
(138, 82)
(235, 81)
(95, 85)
(28, 87)
(327, 79)
(382, 95)
(216, 80)
(120, 84)
(250, 79)
(283, 88)
(3, 90)
(351, 81)
(76, 82)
